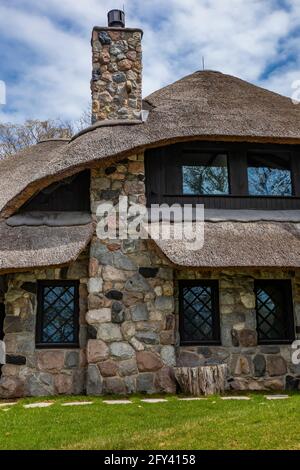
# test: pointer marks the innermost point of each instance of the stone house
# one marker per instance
(81, 314)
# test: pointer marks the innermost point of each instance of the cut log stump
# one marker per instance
(202, 380)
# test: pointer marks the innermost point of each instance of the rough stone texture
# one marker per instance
(259, 362)
(147, 361)
(136, 284)
(276, 365)
(94, 384)
(36, 372)
(117, 75)
(50, 360)
(108, 368)
(121, 350)
(145, 383)
(97, 351)
(164, 380)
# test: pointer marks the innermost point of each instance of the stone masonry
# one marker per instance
(116, 83)
(131, 302)
(35, 372)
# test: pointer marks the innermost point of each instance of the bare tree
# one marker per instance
(14, 137)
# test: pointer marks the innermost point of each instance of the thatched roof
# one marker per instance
(238, 244)
(23, 247)
(204, 105)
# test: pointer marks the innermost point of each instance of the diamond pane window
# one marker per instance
(57, 320)
(274, 312)
(199, 312)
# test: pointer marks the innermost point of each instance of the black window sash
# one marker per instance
(288, 314)
(214, 284)
(39, 320)
(163, 167)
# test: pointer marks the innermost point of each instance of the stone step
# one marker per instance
(77, 403)
(154, 400)
(276, 397)
(38, 405)
(117, 402)
(191, 398)
(235, 398)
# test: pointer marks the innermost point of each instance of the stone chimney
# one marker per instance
(116, 83)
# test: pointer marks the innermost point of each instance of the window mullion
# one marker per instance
(237, 162)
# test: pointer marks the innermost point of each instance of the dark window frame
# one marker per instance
(39, 318)
(285, 285)
(70, 194)
(214, 284)
(164, 179)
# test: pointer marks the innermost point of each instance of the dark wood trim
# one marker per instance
(164, 179)
(39, 318)
(2, 317)
(295, 166)
(69, 195)
(214, 284)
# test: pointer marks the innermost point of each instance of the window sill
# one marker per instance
(57, 346)
(276, 343)
(206, 343)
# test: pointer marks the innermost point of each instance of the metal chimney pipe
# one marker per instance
(116, 19)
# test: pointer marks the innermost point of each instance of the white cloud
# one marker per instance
(241, 37)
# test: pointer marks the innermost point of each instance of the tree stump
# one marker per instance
(202, 380)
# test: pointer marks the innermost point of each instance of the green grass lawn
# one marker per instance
(206, 424)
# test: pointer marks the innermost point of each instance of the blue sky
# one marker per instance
(45, 52)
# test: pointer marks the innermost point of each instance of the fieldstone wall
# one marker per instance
(116, 83)
(250, 366)
(131, 299)
(36, 372)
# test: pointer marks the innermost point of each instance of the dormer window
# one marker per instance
(224, 175)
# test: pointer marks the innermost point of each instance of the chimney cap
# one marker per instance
(116, 19)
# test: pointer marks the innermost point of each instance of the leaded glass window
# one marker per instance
(57, 322)
(274, 311)
(199, 312)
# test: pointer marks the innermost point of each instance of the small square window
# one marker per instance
(208, 174)
(274, 312)
(58, 314)
(199, 312)
(269, 175)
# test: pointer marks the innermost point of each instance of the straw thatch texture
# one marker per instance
(23, 247)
